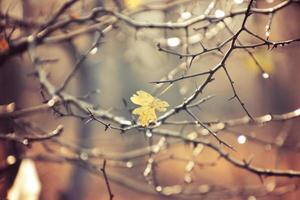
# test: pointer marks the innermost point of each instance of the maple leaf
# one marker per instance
(148, 105)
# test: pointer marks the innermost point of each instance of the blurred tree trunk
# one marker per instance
(10, 91)
(10, 87)
(283, 86)
(78, 182)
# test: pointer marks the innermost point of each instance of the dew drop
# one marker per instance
(265, 75)
(94, 51)
(25, 142)
(129, 164)
(219, 13)
(242, 139)
(84, 156)
(149, 134)
(11, 159)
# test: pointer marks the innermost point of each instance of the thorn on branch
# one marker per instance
(158, 47)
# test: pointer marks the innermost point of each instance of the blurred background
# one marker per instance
(126, 60)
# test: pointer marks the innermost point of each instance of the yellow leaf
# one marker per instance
(148, 105)
(131, 4)
(142, 98)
